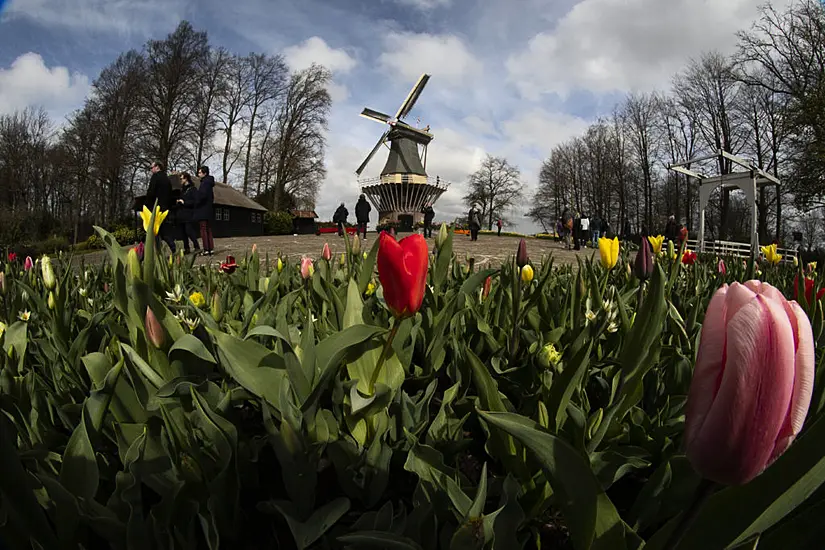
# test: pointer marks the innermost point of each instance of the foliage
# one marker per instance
(277, 223)
(496, 187)
(535, 415)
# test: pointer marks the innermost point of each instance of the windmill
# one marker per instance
(403, 188)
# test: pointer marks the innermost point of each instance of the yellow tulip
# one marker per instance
(527, 273)
(771, 255)
(609, 251)
(656, 243)
(197, 299)
(370, 288)
(146, 216)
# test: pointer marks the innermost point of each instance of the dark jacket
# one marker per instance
(429, 214)
(340, 215)
(160, 189)
(185, 211)
(362, 211)
(205, 200)
(474, 218)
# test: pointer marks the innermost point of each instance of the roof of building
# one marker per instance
(303, 214)
(225, 194)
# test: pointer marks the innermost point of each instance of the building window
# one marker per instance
(226, 214)
(217, 214)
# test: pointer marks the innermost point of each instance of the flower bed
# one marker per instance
(426, 404)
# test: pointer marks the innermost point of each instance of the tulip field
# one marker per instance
(398, 397)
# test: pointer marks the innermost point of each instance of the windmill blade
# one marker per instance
(376, 116)
(381, 141)
(409, 103)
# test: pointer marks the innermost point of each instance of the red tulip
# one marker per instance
(229, 266)
(402, 270)
(689, 257)
(488, 284)
(139, 251)
(12, 256)
(752, 382)
(809, 289)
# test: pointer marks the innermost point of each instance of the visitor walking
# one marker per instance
(577, 232)
(340, 217)
(671, 229)
(585, 230)
(626, 230)
(595, 230)
(474, 221)
(160, 190)
(184, 211)
(429, 215)
(204, 211)
(362, 214)
(499, 224)
(567, 224)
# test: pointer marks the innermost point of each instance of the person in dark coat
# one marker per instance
(340, 217)
(671, 229)
(362, 214)
(160, 190)
(626, 230)
(184, 211)
(499, 224)
(204, 211)
(474, 221)
(429, 214)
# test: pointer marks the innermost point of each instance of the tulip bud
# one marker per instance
(265, 284)
(752, 382)
(442, 235)
(52, 303)
(326, 253)
(671, 252)
(280, 265)
(28, 264)
(795, 261)
(488, 284)
(133, 263)
(307, 268)
(343, 260)
(356, 244)
(49, 280)
(2, 282)
(644, 261)
(522, 259)
(402, 270)
(365, 255)
(720, 267)
(254, 248)
(216, 307)
(527, 273)
(154, 332)
(549, 356)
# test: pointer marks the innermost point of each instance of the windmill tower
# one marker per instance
(403, 188)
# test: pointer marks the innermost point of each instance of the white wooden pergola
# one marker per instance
(749, 181)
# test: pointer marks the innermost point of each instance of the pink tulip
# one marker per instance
(752, 382)
(307, 268)
(720, 267)
(326, 254)
(28, 264)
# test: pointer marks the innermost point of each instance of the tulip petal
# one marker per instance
(709, 365)
(737, 297)
(803, 383)
(749, 410)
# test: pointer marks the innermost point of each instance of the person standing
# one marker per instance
(204, 210)
(362, 214)
(595, 230)
(474, 221)
(585, 230)
(184, 211)
(499, 224)
(429, 215)
(567, 227)
(340, 217)
(626, 230)
(160, 190)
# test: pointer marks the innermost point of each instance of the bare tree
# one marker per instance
(640, 114)
(211, 87)
(172, 77)
(230, 113)
(496, 187)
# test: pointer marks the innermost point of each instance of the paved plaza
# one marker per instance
(488, 250)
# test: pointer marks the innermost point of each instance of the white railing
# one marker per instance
(409, 179)
(731, 248)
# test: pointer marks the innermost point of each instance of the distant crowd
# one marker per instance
(577, 230)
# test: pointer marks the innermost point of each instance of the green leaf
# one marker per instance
(429, 465)
(379, 540)
(368, 268)
(79, 472)
(306, 533)
(565, 384)
(734, 514)
(476, 280)
(593, 520)
(190, 344)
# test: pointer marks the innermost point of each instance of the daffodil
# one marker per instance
(549, 355)
(656, 243)
(370, 288)
(609, 251)
(146, 216)
(24, 315)
(197, 299)
(771, 255)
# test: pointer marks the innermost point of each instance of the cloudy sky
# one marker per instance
(511, 78)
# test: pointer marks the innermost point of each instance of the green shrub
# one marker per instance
(277, 223)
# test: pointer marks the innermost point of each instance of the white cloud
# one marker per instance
(425, 5)
(316, 50)
(479, 125)
(124, 17)
(28, 82)
(620, 45)
(446, 57)
(542, 130)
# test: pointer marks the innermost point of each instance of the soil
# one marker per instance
(487, 250)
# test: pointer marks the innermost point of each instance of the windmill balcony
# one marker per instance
(401, 197)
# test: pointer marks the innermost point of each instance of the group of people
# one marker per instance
(362, 217)
(190, 213)
(577, 230)
(474, 222)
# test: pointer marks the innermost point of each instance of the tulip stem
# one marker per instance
(384, 354)
(516, 312)
(703, 492)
